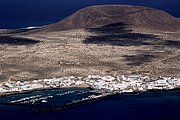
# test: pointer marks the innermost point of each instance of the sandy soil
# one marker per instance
(64, 54)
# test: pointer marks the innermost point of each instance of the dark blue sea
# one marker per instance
(25, 13)
(143, 106)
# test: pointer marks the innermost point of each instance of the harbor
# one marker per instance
(100, 84)
(60, 93)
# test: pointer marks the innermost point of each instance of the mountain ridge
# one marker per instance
(136, 16)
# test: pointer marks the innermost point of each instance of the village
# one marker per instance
(106, 84)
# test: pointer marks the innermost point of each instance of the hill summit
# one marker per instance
(136, 16)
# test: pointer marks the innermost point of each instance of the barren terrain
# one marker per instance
(138, 16)
(72, 52)
(111, 49)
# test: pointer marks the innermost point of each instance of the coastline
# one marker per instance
(99, 84)
(43, 89)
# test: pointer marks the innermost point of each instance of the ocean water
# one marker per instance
(25, 13)
(143, 106)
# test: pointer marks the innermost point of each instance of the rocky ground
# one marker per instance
(78, 53)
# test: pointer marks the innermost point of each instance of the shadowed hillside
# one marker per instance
(138, 17)
(16, 41)
(107, 44)
(120, 34)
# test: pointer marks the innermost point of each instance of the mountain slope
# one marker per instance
(137, 16)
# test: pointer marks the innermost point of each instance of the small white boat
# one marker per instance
(44, 101)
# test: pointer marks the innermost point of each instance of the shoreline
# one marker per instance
(88, 100)
(42, 89)
(99, 84)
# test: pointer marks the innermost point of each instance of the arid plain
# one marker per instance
(114, 49)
